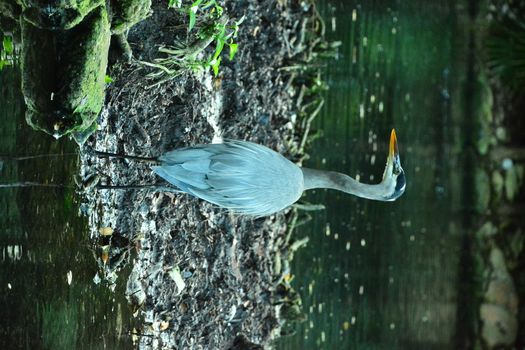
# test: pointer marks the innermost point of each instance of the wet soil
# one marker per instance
(202, 278)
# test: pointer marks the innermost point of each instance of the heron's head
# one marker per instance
(394, 175)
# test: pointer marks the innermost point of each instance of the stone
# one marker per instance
(482, 190)
(58, 14)
(487, 230)
(62, 81)
(511, 183)
(497, 184)
(127, 13)
(499, 326)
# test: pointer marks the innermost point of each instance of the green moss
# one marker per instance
(511, 183)
(486, 231)
(60, 14)
(483, 104)
(482, 190)
(62, 81)
(10, 9)
(126, 13)
(497, 184)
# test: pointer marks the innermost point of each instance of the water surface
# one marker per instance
(384, 275)
(48, 298)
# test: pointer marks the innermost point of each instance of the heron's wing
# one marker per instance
(238, 175)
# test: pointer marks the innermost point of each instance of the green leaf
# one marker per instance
(219, 10)
(215, 66)
(7, 43)
(108, 79)
(193, 14)
(193, 18)
(218, 49)
(233, 50)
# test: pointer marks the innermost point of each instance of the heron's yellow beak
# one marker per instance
(393, 152)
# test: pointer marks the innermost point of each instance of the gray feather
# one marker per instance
(238, 175)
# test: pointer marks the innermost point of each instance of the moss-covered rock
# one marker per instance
(498, 313)
(10, 9)
(58, 14)
(482, 190)
(499, 326)
(487, 230)
(62, 81)
(65, 46)
(126, 13)
(513, 180)
(497, 184)
(483, 102)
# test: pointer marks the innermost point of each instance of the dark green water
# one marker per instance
(386, 275)
(374, 275)
(42, 241)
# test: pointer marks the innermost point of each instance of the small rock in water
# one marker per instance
(498, 313)
(499, 328)
(507, 163)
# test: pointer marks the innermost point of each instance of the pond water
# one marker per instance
(48, 298)
(387, 275)
(374, 275)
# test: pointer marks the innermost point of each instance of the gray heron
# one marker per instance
(249, 178)
(252, 179)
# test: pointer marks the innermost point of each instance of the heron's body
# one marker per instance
(252, 179)
(239, 175)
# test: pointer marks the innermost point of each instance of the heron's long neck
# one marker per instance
(337, 181)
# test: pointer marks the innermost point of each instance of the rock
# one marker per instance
(497, 260)
(497, 184)
(499, 326)
(487, 230)
(62, 81)
(9, 9)
(499, 311)
(484, 101)
(65, 46)
(501, 290)
(502, 134)
(511, 183)
(482, 190)
(126, 13)
(58, 14)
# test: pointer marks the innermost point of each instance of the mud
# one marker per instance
(202, 278)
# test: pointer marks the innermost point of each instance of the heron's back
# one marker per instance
(238, 175)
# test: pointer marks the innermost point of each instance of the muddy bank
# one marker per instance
(202, 277)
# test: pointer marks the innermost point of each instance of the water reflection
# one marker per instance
(48, 298)
(384, 275)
